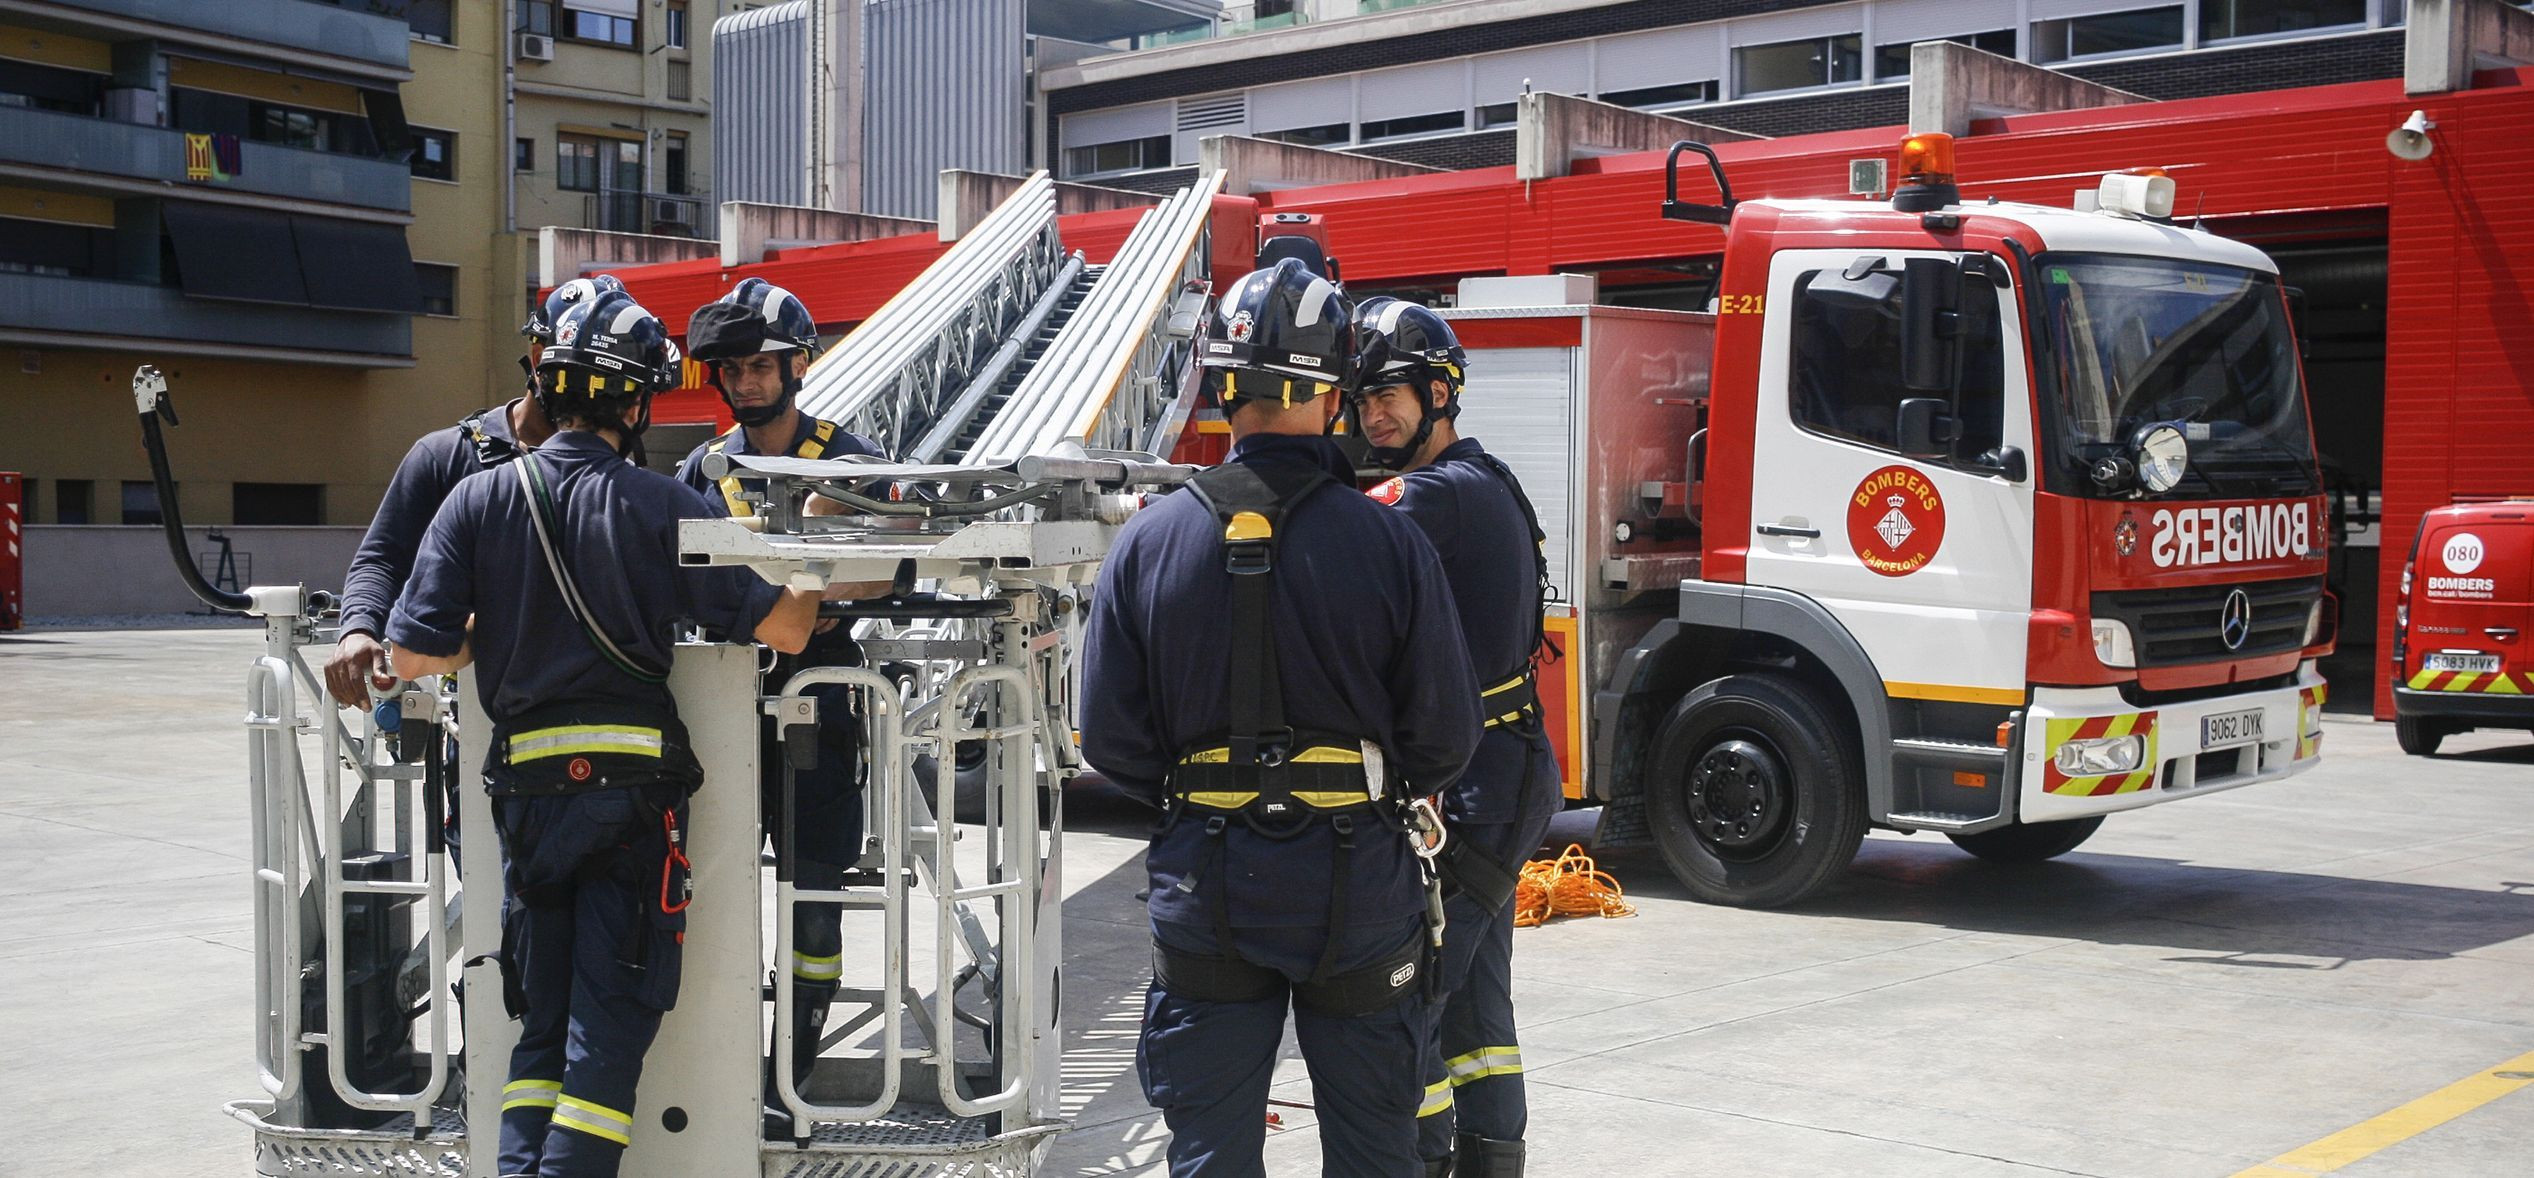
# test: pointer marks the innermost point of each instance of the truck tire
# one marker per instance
(2419, 735)
(1754, 796)
(2028, 842)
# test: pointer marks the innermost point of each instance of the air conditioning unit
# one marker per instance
(535, 47)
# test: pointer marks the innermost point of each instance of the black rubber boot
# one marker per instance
(1474, 1156)
(809, 1025)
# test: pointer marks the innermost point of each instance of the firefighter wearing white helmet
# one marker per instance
(1406, 405)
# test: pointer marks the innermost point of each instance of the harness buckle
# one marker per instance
(1248, 558)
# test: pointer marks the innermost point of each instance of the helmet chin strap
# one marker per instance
(1400, 457)
(762, 414)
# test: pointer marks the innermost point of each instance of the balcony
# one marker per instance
(39, 308)
(133, 151)
(1236, 28)
(657, 213)
(303, 25)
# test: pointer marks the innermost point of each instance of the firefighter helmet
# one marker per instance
(756, 316)
(1403, 343)
(1280, 332)
(608, 354)
(541, 320)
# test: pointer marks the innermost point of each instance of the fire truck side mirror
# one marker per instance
(1926, 428)
(1931, 324)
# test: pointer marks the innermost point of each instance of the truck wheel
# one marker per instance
(1754, 798)
(2418, 735)
(2028, 843)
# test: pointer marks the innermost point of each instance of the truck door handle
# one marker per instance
(1789, 530)
(2502, 633)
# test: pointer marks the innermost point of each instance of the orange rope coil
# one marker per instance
(1569, 885)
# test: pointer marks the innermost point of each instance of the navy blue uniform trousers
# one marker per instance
(1473, 1078)
(597, 960)
(1207, 1065)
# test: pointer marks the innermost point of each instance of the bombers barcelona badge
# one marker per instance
(1388, 491)
(1895, 521)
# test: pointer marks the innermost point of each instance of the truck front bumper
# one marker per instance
(2170, 761)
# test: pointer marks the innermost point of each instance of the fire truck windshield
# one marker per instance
(2121, 343)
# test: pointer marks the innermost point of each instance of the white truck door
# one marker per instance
(1927, 562)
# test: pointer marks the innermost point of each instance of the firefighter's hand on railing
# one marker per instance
(357, 656)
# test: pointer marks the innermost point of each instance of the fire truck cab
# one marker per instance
(2460, 660)
(1986, 519)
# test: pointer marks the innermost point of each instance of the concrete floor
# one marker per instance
(2203, 987)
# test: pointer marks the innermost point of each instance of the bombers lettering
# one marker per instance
(1901, 479)
(2231, 535)
(2463, 587)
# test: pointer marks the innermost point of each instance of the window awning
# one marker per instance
(228, 253)
(356, 265)
(267, 257)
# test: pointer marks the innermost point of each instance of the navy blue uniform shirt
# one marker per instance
(840, 443)
(1367, 643)
(436, 464)
(1479, 533)
(619, 535)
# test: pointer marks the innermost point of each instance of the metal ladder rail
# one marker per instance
(888, 751)
(840, 383)
(431, 888)
(1126, 403)
(272, 722)
(1050, 379)
(1016, 240)
(925, 388)
(1011, 812)
(962, 409)
(1079, 398)
(1034, 349)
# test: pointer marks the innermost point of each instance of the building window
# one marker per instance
(537, 16)
(71, 499)
(278, 505)
(1676, 94)
(50, 247)
(1800, 65)
(435, 155)
(42, 87)
(1846, 377)
(1124, 156)
(2225, 19)
(673, 27)
(1415, 125)
(1324, 135)
(430, 20)
(203, 111)
(439, 287)
(673, 164)
(606, 22)
(140, 503)
(1891, 62)
(2111, 32)
(576, 163)
(523, 155)
(681, 82)
(1264, 9)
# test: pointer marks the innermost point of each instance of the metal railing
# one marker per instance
(657, 213)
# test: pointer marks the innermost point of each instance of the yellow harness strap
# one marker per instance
(813, 446)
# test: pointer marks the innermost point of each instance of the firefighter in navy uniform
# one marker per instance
(1406, 398)
(1275, 662)
(557, 578)
(437, 462)
(756, 344)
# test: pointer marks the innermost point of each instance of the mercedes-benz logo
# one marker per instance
(2234, 620)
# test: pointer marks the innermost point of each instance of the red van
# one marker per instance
(2463, 631)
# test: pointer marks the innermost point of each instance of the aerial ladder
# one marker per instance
(1028, 395)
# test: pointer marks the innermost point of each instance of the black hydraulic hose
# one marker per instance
(169, 517)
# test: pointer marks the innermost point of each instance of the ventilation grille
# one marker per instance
(1222, 110)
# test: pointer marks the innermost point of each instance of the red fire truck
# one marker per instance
(1988, 520)
(2461, 625)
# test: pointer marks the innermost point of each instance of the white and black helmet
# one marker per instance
(1285, 324)
(756, 316)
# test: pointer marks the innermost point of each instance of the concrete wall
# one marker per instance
(93, 571)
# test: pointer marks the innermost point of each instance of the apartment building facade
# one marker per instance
(1435, 81)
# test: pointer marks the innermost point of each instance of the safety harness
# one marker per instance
(814, 446)
(1281, 782)
(490, 450)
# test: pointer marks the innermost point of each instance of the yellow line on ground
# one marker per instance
(2395, 1126)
